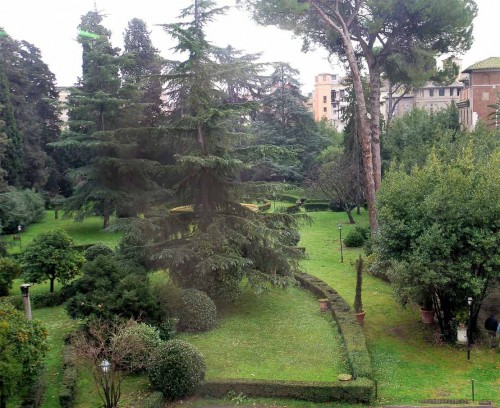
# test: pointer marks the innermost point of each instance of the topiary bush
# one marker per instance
(354, 239)
(9, 270)
(176, 369)
(143, 340)
(94, 251)
(198, 312)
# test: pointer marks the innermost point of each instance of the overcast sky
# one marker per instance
(51, 25)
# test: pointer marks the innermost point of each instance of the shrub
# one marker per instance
(143, 340)
(47, 299)
(67, 394)
(264, 207)
(20, 207)
(293, 209)
(94, 251)
(354, 239)
(176, 369)
(324, 206)
(168, 328)
(288, 198)
(198, 311)
(9, 270)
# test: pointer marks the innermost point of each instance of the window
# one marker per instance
(441, 91)
(324, 78)
(451, 91)
(324, 99)
(334, 77)
(324, 109)
(342, 94)
(334, 95)
(431, 92)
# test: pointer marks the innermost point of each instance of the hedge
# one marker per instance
(350, 391)
(34, 397)
(67, 393)
(321, 206)
(266, 206)
(354, 339)
(288, 198)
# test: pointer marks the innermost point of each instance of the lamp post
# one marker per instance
(19, 228)
(469, 334)
(25, 291)
(105, 367)
(341, 250)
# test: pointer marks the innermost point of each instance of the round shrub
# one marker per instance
(94, 251)
(354, 239)
(198, 312)
(9, 270)
(142, 340)
(176, 369)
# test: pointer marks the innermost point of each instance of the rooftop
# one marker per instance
(489, 63)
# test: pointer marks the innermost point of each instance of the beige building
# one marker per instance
(328, 99)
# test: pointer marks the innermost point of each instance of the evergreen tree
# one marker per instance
(213, 242)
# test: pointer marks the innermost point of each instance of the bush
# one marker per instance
(198, 311)
(47, 299)
(168, 328)
(9, 270)
(94, 251)
(20, 207)
(67, 394)
(264, 207)
(354, 239)
(176, 369)
(36, 391)
(324, 206)
(143, 340)
(288, 198)
(293, 209)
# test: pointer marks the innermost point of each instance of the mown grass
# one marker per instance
(410, 365)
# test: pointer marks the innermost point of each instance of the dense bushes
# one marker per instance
(176, 369)
(9, 270)
(20, 207)
(67, 393)
(94, 251)
(323, 206)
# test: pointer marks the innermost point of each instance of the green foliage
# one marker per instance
(198, 312)
(20, 207)
(324, 206)
(354, 239)
(51, 256)
(293, 209)
(22, 348)
(440, 230)
(154, 400)
(9, 270)
(176, 369)
(359, 391)
(67, 393)
(110, 287)
(94, 251)
(41, 300)
(168, 328)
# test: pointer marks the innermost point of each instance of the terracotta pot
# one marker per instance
(324, 305)
(360, 317)
(427, 316)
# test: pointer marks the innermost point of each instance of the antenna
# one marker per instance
(95, 6)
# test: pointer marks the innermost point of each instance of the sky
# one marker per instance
(51, 25)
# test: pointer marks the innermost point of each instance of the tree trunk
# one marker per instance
(56, 213)
(3, 401)
(52, 279)
(348, 211)
(375, 123)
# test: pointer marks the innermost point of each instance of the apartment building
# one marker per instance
(328, 99)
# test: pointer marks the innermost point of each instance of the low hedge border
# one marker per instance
(67, 393)
(36, 391)
(266, 206)
(349, 391)
(354, 339)
(324, 206)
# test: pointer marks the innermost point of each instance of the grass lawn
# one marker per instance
(88, 231)
(408, 363)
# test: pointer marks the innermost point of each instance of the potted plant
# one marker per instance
(427, 310)
(324, 304)
(358, 303)
(461, 319)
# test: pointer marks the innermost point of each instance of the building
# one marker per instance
(328, 99)
(483, 86)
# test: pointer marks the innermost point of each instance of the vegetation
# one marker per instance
(9, 270)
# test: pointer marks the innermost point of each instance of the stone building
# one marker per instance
(328, 99)
(482, 89)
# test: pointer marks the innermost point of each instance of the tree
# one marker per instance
(371, 32)
(439, 230)
(51, 256)
(495, 115)
(22, 348)
(208, 240)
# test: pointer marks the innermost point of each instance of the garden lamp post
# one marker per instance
(25, 291)
(469, 334)
(105, 366)
(19, 228)
(341, 250)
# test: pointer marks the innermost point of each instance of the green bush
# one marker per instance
(9, 270)
(293, 209)
(168, 328)
(36, 391)
(354, 239)
(94, 251)
(264, 207)
(143, 339)
(47, 299)
(20, 207)
(176, 369)
(288, 198)
(198, 311)
(67, 394)
(324, 206)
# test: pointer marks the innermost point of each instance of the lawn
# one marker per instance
(409, 365)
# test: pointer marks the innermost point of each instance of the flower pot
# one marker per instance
(324, 305)
(360, 317)
(427, 316)
(462, 334)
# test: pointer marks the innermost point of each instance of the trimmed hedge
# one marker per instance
(321, 206)
(293, 209)
(266, 206)
(288, 198)
(354, 339)
(350, 391)
(34, 397)
(67, 394)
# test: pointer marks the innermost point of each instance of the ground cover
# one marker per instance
(409, 365)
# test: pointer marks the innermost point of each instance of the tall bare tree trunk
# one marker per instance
(374, 71)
